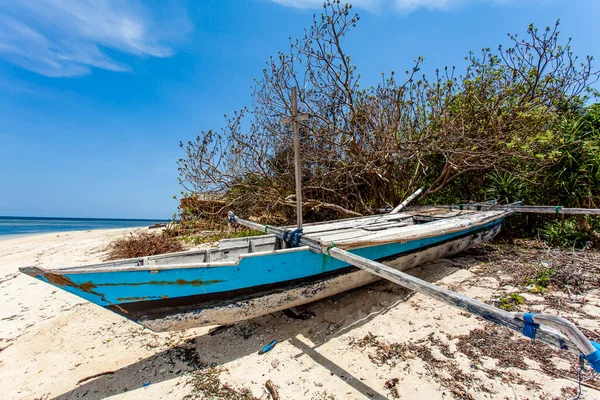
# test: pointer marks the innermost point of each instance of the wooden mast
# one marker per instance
(294, 120)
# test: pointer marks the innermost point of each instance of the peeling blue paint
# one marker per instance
(118, 287)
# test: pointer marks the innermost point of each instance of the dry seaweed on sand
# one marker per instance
(443, 371)
(322, 396)
(206, 384)
(500, 344)
(390, 385)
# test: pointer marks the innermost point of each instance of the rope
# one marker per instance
(231, 218)
(331, 247)
(557, 209)
(530, 327)
(286, 237)
(581, 365)
(292, 238)
(295, 239)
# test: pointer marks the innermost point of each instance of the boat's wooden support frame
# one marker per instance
(517, 208)
(553, 330)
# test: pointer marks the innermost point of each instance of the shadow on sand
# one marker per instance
(247, 337)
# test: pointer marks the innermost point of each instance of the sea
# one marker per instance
(11, 227)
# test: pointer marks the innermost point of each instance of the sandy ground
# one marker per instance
(376, 342)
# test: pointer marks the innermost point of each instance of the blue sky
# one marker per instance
(95, 96)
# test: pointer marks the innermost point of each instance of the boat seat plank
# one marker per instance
(344, 224)
(439, 227)
(380, 227)
(343, 235)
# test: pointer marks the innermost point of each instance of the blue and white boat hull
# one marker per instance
(249, 277)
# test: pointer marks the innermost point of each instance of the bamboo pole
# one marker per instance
(571, 339)
(557, 210)
(407, 201)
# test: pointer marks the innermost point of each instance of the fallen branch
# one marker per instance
(310, 203)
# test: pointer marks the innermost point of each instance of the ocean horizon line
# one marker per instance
(83, 218)
(11, 225)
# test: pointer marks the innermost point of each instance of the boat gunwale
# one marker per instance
(160, 267)
(111, 267)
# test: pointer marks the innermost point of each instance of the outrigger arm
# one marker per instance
(550, 329)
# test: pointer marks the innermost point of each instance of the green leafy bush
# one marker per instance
(568, 233)
(505, 188)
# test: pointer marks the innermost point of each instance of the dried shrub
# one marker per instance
(199, 213)
(365, 147)
(142, 245)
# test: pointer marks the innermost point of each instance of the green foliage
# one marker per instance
(512, 302)
(505, 188)
(573, 174)
(568, 233)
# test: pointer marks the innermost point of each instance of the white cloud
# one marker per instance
(402, 6)
(367, 4)
(61, 38)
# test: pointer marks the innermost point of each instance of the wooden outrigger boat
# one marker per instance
(247, 277)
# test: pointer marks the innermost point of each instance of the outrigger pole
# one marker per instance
(550, 329)
(518, 208)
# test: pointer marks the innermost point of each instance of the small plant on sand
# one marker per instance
(512, 302)
(542, 278)
(142, 245)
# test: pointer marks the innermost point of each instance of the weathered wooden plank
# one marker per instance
(339, 235)
(558, 210)
(422, 231)
(355, 233)
(353, 223)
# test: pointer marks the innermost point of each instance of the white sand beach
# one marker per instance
(376, 342)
